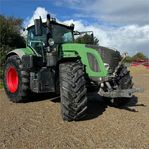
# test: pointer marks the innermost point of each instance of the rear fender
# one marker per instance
(21, 52)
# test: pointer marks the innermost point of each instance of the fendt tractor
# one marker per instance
(53, 63)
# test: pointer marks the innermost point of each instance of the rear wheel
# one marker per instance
(73, 91)
(16, 80)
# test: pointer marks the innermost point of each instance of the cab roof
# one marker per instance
(54, 22)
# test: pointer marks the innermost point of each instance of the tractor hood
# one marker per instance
(71, 50)
(93, 54)
(109, 56)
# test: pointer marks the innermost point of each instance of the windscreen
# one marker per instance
(61, 34)
(32, 37)
(36, 42)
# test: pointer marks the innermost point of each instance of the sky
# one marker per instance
(118, 24)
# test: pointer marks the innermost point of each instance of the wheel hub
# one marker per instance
(12, 79)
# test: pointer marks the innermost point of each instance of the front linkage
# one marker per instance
(119, 84)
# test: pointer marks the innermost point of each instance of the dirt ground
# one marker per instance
(38, 124)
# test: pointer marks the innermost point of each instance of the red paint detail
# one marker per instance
(12, 79)
(135, 64)
(140, 62)
(147, 66)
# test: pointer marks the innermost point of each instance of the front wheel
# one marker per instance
(73, 91)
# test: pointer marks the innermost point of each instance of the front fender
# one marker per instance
(74, 50)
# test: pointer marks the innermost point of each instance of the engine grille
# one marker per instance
(108, 56)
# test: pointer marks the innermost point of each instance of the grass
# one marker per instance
(1, 85)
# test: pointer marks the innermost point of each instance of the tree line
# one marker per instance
(137, 57)
(10, 37)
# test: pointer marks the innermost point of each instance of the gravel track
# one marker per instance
(38, 124)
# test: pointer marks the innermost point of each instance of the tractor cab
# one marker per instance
(48, 35)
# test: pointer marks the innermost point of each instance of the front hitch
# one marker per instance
(128, 93)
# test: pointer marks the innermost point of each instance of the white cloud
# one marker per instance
(122, 12)
(39, 12)
(113, 11)
(129, 38)
(99, 33)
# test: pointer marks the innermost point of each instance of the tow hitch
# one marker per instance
(119, 93)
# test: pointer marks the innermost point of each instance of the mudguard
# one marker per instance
(21, 52)
(74, 50)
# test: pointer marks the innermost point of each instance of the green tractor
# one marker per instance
(53, 63)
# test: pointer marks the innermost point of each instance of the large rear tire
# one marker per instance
(73, 91)
(16, 80)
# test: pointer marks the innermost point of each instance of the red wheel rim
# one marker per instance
(12, 79)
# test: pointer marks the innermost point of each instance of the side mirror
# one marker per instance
(38, 27)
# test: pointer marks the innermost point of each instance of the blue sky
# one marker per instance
(25, 9)
(118, 24)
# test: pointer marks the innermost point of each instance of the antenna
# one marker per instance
(48, 20)
(48, 17)
(40, 19)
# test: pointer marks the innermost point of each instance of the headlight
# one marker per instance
(107, 66)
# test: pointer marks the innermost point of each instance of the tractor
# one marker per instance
(53, 63)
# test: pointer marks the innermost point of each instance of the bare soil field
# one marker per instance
(38, 124)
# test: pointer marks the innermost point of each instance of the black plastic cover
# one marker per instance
(31, 61)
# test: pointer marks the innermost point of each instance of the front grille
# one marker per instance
(93, 62)
(108, 56)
